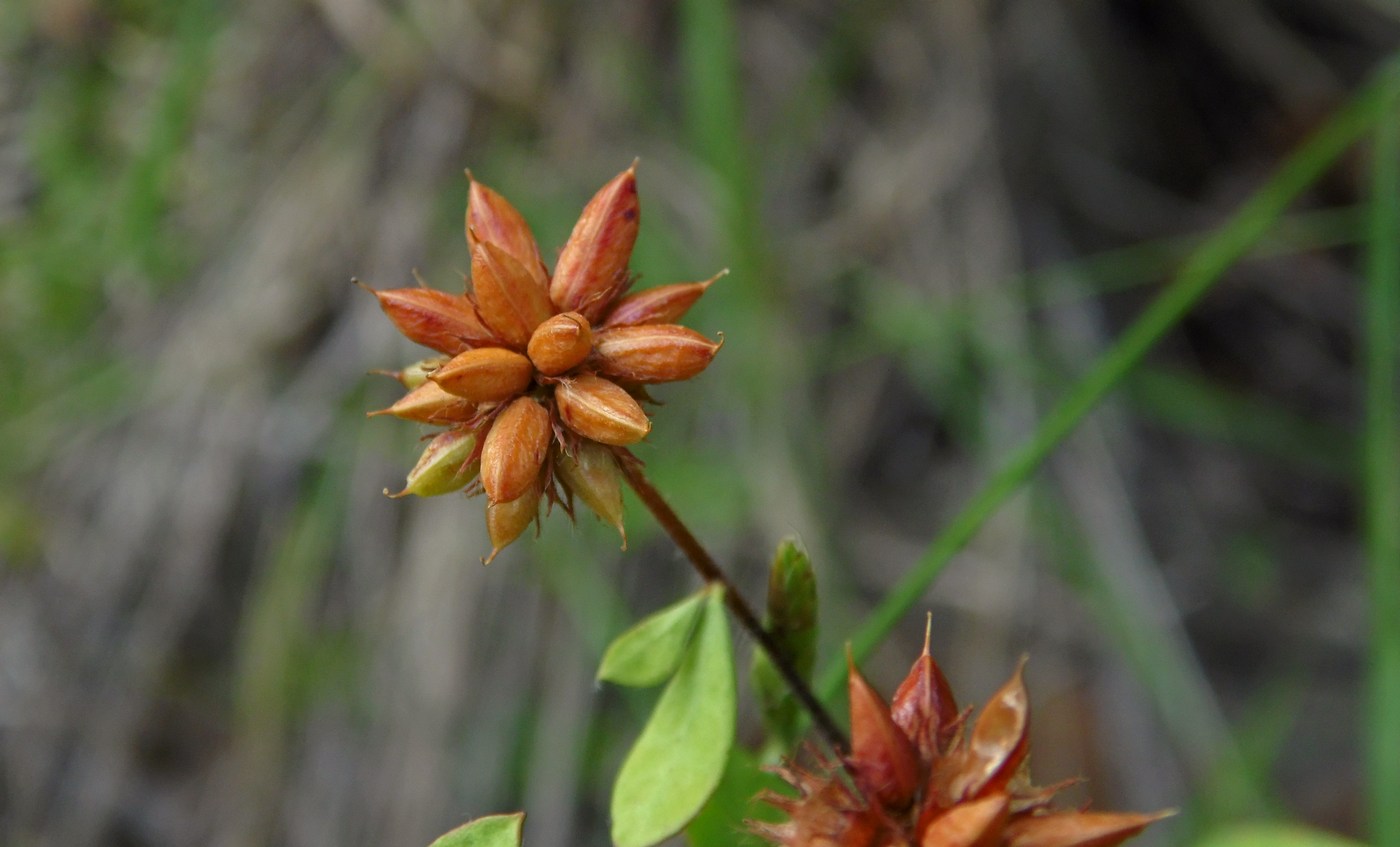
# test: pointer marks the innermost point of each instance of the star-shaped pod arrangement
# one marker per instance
(916, 777)
(541, 376)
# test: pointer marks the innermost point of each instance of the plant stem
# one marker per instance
(1381, 326)
(1201, 270)
(709, 571)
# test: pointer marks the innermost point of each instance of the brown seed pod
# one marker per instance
(592, 267)
(560, 343)
(428, 403)
(445, 322)
(506, 521)
(485, 375)
(510, 299)
(664, 304)
(601, 411)
(652, 353)
(490, 217)
(515, 449)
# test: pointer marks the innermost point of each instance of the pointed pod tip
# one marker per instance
(486, 560)
(705, 284)
(928, 631)
(632, 168)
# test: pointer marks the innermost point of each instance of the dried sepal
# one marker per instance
(923, 706)
(485, 375)
(561, 343)
(975, 824)
(592, 474)
(592, 267)
(445, 466)
(662, 304)
(445, 322)
(601, 411)
(510, 299)
(998, 743)
(508, 520)
(429, 404)
(1078, 829)
(652, 353)
(881, 754)
(490, 217)
(515, 449)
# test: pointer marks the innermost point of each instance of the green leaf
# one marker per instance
(1274, 835)
(649, 652)
(677, 762)
(723, 821)
(490, 831)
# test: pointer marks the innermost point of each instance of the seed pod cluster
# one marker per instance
(540, 376)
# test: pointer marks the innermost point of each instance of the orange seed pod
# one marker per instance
(512, 302)
(485, 375)
(601, 411)
(444, 467)
(428, 403)
(592, 267)
(652, 353)
(560, 343)
(506, 521)
(490, 217)
(664, 304)
(445, 322)
(515, 449)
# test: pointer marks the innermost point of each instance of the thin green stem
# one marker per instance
(1201, 270)
(1382, 475)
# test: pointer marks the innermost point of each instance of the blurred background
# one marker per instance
(215, 629)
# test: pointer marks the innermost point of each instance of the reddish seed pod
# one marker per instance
(592, 267)
(512, 302)
(560, 344)
(652, 353)
(515, 449)
(880, 752)
(601, 411)
(507, 521)
(664, 304)
(490, 217)
(445, 322)
(429, 404)
(485, 375)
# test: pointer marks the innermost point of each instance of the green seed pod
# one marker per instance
(444, 467)
(593, 476)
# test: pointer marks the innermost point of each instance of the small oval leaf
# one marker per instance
(677, 762)
(649, 652)
(490, 831)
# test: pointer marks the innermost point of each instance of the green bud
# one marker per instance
(444, 467)
(791, 619)
(591, 473)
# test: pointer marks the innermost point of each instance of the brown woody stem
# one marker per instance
(709, 571)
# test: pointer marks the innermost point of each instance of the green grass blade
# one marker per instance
(1382, 477)
(1204, 267)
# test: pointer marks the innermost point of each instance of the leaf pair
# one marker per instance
(680, 756)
